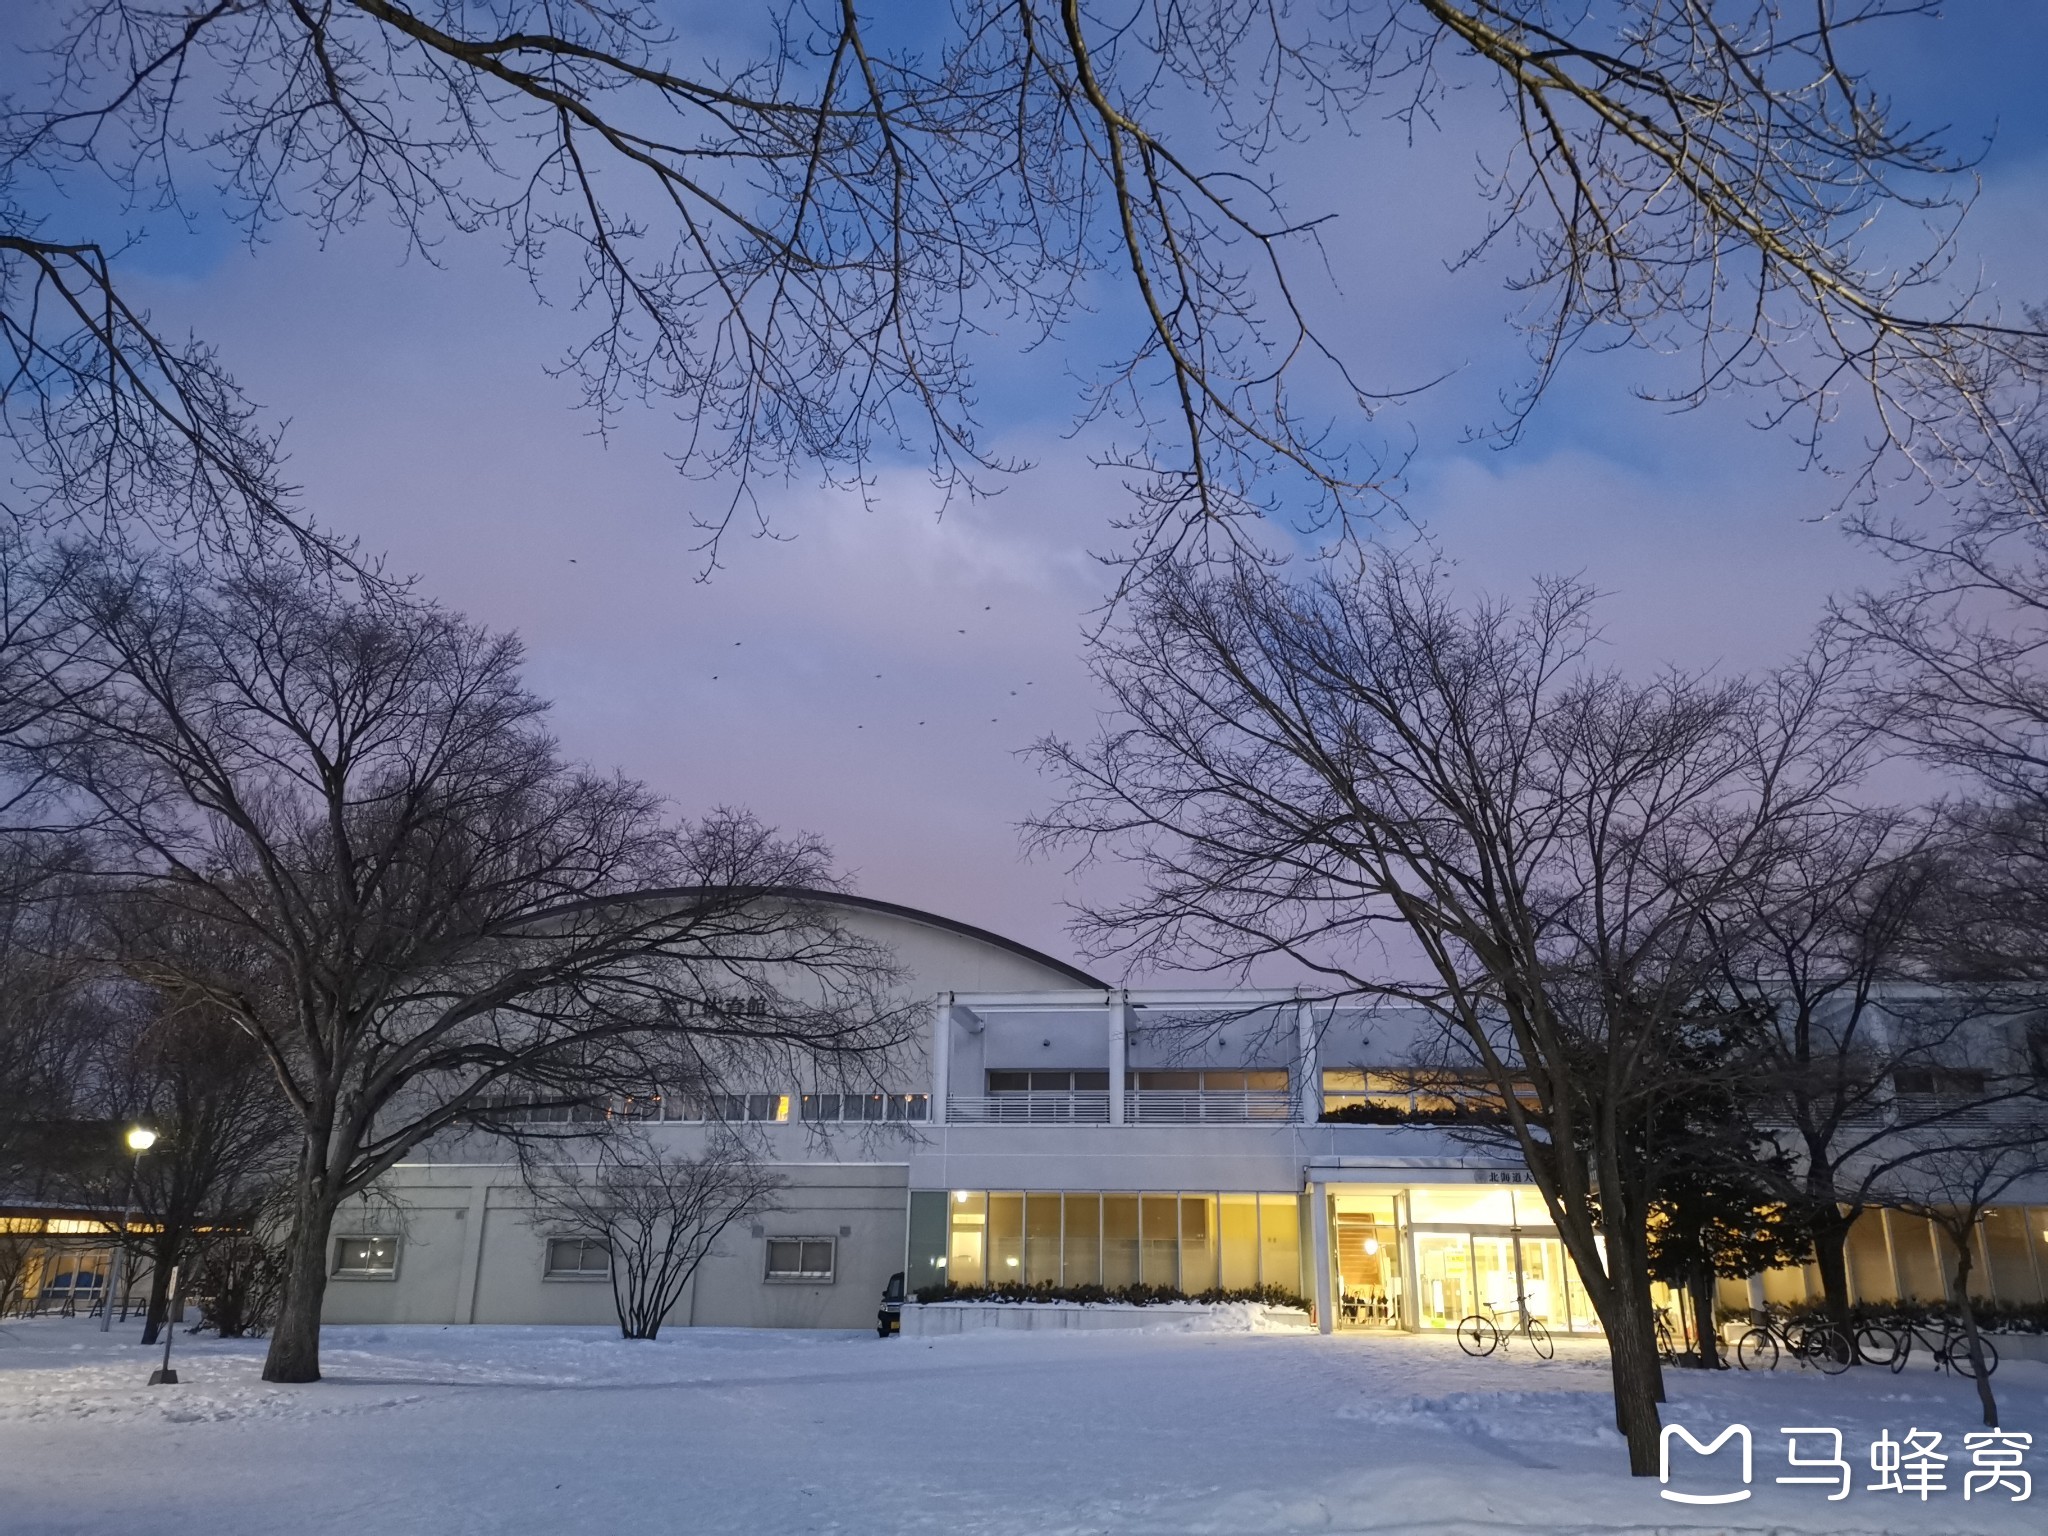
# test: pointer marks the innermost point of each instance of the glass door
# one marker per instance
(1368, 1272)
(1443, 1263)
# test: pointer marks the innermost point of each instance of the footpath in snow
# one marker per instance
(1177, 1429)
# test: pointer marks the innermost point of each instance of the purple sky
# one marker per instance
(872, 675)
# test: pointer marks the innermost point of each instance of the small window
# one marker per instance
(366, 1258)
(578, 1258)
(801, 1260)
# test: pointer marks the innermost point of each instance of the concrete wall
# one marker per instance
(470, 1252)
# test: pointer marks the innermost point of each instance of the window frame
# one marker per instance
(552, 1275)
(770, 1276)
(336, 1272)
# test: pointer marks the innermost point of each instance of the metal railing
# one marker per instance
(1210, 1106)
(1081, 1107)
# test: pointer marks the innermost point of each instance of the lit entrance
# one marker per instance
(1368, 1258)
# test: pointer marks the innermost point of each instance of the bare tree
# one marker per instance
(1953, 1184)
(224, 1134)
(804, 250)
(1320, 771)
(1838, 952)
(116, 427)
(656, 1213)
(335, 820)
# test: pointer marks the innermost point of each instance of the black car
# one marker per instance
(890, 1319)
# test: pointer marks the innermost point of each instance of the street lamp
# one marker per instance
(140, 1139)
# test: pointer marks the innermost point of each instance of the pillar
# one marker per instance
(1319, 1225)
(1119, 1029)
(1309, 1094)
(942, 1054)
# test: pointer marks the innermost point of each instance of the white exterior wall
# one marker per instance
(469, 1253)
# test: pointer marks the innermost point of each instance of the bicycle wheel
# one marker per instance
(1829, 1348)
(1959, 1355)
(1876, 1344)
(1539, 1340)
(1756, 1350)
(1477, 1336)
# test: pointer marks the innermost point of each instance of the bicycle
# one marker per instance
(1950, 1351)
(1821, 1345)
(1667, 1340)
(1479, 1335)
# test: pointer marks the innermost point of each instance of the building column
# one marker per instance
(1319, 1225)
(470, 1275)
(1309, 1077)
(1756, 1293)
(942, 1054)
(1891, 1254)
(1119, 1029)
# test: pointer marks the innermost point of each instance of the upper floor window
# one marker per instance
(1059, 1080)
(866, 1106)
(1209, 1080)
(1940, 1083)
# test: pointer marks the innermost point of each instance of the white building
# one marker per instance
(1054, 1128)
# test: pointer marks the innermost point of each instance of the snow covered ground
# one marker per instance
(518, 1430)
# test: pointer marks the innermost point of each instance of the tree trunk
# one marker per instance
(1831, 1258)
(1638, 1382)
(295, 1342)
(1971, 1336)
(159, 1299)
(1702, 1289)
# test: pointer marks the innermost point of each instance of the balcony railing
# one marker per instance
(1142, 1106)
(1210, 1106)
(1080, 1107)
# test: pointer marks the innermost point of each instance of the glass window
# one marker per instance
(1177, 1082)
(1266, 1082)
(1159, 1218)
(1081, 1258)
(367, 1257)
(808, 1260)
(578, 1258)
(1091, 1082)
(1280, 1241)
(1042, 1239)
(1009, 1082)
(967, 1238)
(1913, 1243)
(1197, 1243)
(909, 1106)
(1005, 1239)
(1119, 1240)
(821, 1106)
(1870, 1264)
(1238, 1230)
(1478, 1207)
(1543, 1280)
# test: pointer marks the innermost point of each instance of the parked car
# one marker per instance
(890, 1319)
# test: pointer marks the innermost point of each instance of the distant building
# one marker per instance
(1051, 1127)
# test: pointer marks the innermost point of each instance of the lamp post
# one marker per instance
(140, 1139)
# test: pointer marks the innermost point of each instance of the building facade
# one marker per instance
(1051, 1128)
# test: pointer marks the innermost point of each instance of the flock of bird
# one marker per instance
(992, 719)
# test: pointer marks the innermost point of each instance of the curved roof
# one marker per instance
(952, 925)
(862, 903)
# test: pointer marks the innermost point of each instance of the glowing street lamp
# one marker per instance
(140, 1139)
